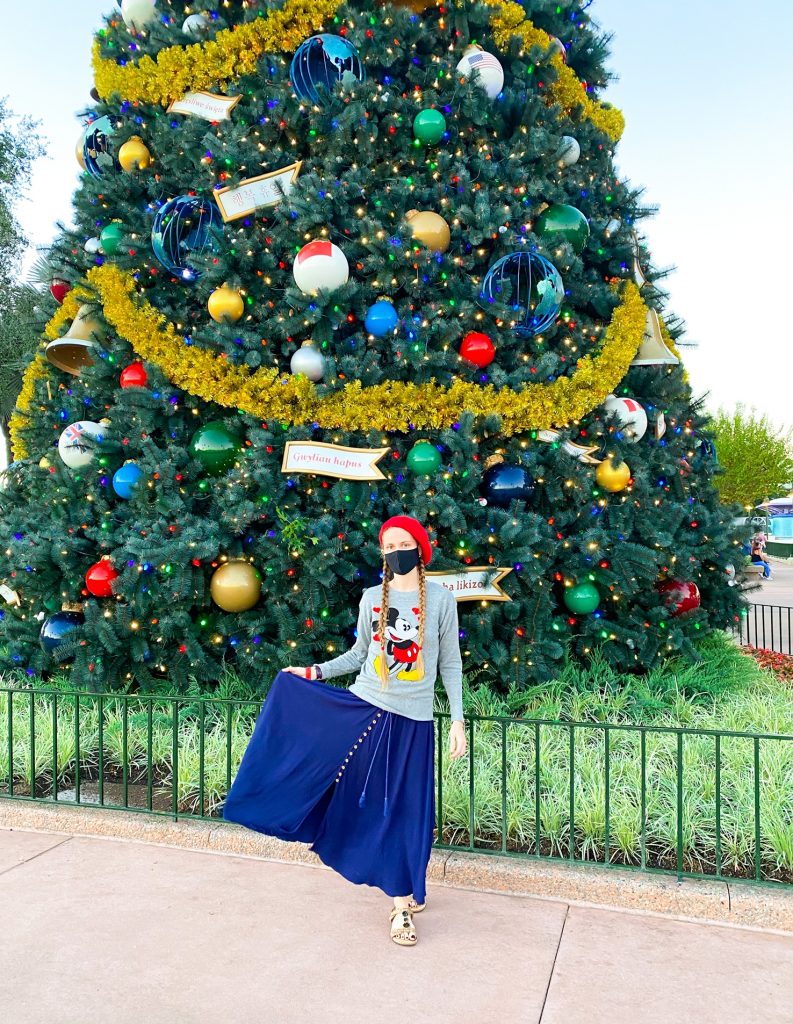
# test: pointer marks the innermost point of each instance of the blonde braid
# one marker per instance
(383, 666)
(422, 610)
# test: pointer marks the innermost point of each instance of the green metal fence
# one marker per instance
(691, 802)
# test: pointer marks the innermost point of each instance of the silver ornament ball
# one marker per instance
(308, 361)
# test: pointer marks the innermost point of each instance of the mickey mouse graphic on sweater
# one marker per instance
(401, 647)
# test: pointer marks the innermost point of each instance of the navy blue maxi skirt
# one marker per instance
(325, 767)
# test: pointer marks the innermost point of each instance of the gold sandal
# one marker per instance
(416, 908)
(403, 933)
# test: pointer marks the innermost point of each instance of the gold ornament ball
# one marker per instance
(225, 305)
(611, 476)
(430, 229)
(78, 152)
(134, 155)
(417, 6)
(235, 586)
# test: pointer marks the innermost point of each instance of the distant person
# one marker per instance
(758, 555)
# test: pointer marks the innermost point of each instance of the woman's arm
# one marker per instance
(352, 660)
(450, 662)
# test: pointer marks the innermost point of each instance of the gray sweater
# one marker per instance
(405, 694)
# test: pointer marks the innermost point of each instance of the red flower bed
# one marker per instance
(780, 664)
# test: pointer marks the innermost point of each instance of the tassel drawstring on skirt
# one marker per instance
(362, 798)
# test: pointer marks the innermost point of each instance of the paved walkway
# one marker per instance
(777, 590)
(772, 627)
(112, 930)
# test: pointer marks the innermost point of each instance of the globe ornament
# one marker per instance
(563, 223)
(125, 478)
(530, 285)
(134, 155)
(429, 126)
(183, 227)
(423, 458)
(99, 578)
(215, 446)
(98, 156)
(74, 448)
(195, 25)
(235, 586)
(92, 245)
(320, 264)
(110, 237)
(491, 73)
(504, 482)
(137, 14)
(679, 596)
(381, 318)
(74, 350)
(430, 229)
(320, 63)
(570, 151)
(612, 476)
(730, 573)
(308, 361)
(582, 599)
(58, 629)
(225, 305)
(478, 349)
(134, 376)
(629, 415)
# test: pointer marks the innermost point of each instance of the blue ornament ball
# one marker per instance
(504, 483)
(98, 153)
(183, 226)
(381, 318)
(56, 629)
(125, 478)
(321, 62)
(530, 285)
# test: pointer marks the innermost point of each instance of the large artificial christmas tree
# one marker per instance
(333, 262)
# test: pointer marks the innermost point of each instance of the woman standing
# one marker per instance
(316, 770)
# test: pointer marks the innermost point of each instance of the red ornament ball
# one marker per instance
(134, 376)
(99, 577)
(679, 596)
(478, 349)
(59, 289)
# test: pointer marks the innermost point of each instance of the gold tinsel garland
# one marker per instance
(391, 405)
(236, 52)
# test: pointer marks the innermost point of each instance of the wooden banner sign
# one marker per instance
(580, 451)
(332, 460)
(254, 193)
(470, 584)
(206, 105)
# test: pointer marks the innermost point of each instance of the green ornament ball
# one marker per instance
(563, 223)
(423, 458)
(110, 237)
(582, 599)
(429, 126)
(215, 446)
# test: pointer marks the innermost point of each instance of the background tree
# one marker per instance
(756, 456)
(441, 270)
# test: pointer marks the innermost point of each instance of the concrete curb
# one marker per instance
(737, 904)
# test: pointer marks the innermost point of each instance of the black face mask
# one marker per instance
(402, 561)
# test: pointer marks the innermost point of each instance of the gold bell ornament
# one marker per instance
(612, 476)
(235, 586)
(134, 155)
(225, 305)
(430, 229)
(73, 351)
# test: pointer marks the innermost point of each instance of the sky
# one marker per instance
(704, 86)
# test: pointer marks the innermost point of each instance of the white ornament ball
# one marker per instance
(729, 569)
(308, 361)
(612, 227)
(93, 245)
(630, 415)
(491, 74)
(320, 264)
(195, 25)
(138, 14)
(571, 151)
(71, 444)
